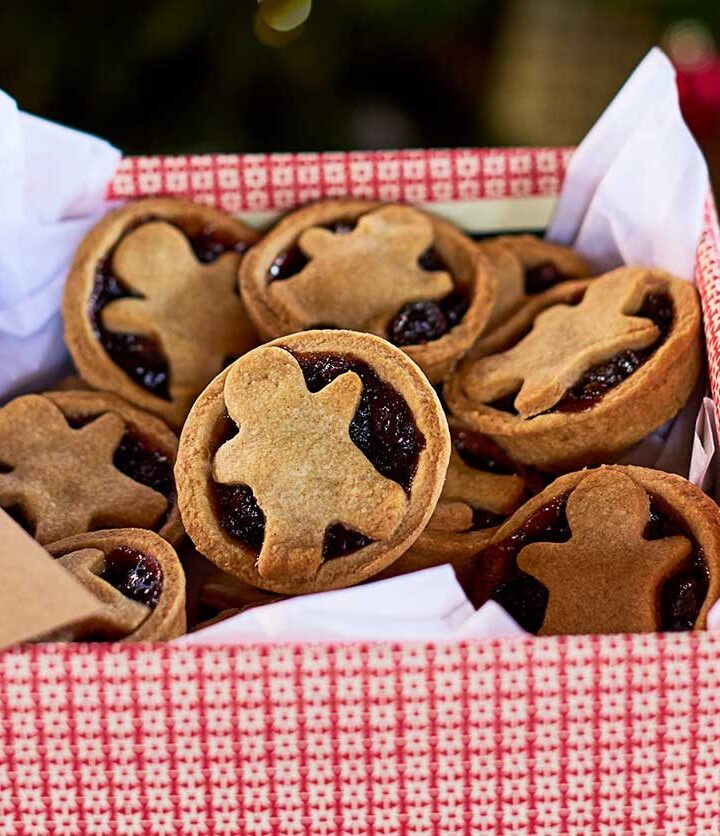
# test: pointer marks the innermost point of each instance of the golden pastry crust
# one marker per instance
(161, 438)
(64, 479)
(295, 452)
(84, 555)
(474, 502)
(545, 347)
(435, 547)
(608, 577)
(146, 238)
(340, 294)
(513, 255)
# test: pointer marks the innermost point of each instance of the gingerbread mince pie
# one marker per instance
(390, 270)
(525, 266)
(138, 578)
(584, 370)
(483, 487)
(312, 462)
(609, 550)
(71, 462)
(151, 306)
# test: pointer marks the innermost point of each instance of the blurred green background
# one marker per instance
(179, 76)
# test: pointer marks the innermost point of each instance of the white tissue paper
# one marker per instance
(422, 606)
(52, 188)
(634, 192)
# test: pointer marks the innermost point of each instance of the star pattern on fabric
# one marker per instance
(378, 262)
(191, 308)
(295, 452)
(607, 577)
(119, 616)
(64, 479)
(565, 341)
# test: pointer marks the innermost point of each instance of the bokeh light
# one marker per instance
(284, 15)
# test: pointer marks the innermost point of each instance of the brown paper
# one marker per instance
(37, 596)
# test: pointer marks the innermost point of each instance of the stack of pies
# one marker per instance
(362, 391)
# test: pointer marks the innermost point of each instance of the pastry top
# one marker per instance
(137, 577)
(609, 550)
(526, 265)
(312, 462)
(483, 485)
(151, 306)
(567, 340)
(577, 356)
(74, 461)
(390, 270)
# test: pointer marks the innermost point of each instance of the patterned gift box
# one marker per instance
(576, 735)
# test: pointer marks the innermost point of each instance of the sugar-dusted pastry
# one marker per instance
(610, 550)
(584, 370)
(71, 462)
(389, 270)
(137, 578)
(151, 306)
(525, 266)
(312, 462)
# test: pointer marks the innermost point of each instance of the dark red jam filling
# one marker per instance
(239, 514)
(481, 452)
(242, 518)
(682, 596)
(542, 277)
(287, 264)
(236, 508)
(485, 519)
(383, 428)
(422, 322)
(142, 358)
(290, 262)
(340, 541)
(497, 575)
(415, 323)
(599, 380)
(137, 576)
(137, 458)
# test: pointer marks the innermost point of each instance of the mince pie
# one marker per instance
(138, 578)
(385, 269)
(312, 462)
(609, 550)
(72, 462)
(584, 370)
(151, 306)
(525, 266)
(483, 487)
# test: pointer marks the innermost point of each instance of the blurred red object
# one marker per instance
(697, 62)
(699, 89)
